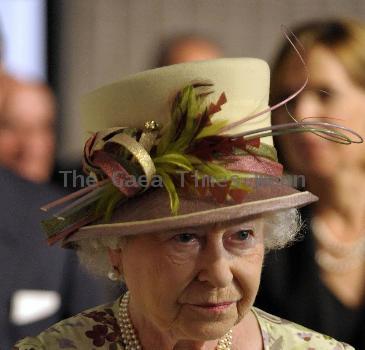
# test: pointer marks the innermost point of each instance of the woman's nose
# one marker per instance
(308, 106)
(215, 268)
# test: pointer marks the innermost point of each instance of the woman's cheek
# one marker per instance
(245, 304)
(248, 277)
(180, 254)
(257, 258)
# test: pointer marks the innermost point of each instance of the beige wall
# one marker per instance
(103, 40)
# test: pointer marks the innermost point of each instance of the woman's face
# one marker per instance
(330, 93)
(195, 283)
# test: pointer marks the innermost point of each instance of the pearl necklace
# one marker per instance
(130, 338)
(333, 256)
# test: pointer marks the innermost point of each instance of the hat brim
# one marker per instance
(151, 212)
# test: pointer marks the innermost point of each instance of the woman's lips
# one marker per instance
(215, 308)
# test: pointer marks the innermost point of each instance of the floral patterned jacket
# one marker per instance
(97, 329)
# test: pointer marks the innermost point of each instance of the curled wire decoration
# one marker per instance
(320, 133)
(321, 128)
(285, 31)
(328, 131)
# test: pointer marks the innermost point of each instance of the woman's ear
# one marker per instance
(115, 258)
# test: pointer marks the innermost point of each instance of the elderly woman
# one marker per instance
(187, 200)
(327, 269)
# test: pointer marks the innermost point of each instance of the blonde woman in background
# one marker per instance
(326, 270)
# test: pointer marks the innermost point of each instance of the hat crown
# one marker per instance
(148, 95)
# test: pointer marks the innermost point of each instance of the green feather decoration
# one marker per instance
(180, 161)
(212, 129)
(171, 190)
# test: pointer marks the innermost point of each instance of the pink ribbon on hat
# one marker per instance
(253, 164)
(125, 182)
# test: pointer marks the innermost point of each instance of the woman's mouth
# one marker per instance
(214, 308)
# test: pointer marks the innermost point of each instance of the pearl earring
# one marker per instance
(114, 275)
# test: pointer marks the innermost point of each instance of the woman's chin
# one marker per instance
(204, 330)
(207, 331)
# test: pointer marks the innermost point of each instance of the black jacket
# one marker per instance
(291, 288)
(27, 264)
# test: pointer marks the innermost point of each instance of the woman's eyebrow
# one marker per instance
(173, 232)
(243, 226)
(181, 230)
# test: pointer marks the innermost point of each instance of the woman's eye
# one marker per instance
(324, 95)
(185, 237)
(244, 235)
(241, 239)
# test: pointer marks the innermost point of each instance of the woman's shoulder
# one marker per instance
(281, 334)
(96, 327)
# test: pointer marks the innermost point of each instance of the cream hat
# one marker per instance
(200, 122)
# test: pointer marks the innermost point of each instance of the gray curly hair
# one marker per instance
(280, 229)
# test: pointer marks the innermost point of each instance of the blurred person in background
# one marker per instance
(187, 48)
(320, 281)
(39, 286)
(27, 135)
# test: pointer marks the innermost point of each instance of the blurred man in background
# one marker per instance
(27, 136)
(186, 48)
(39, 286)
